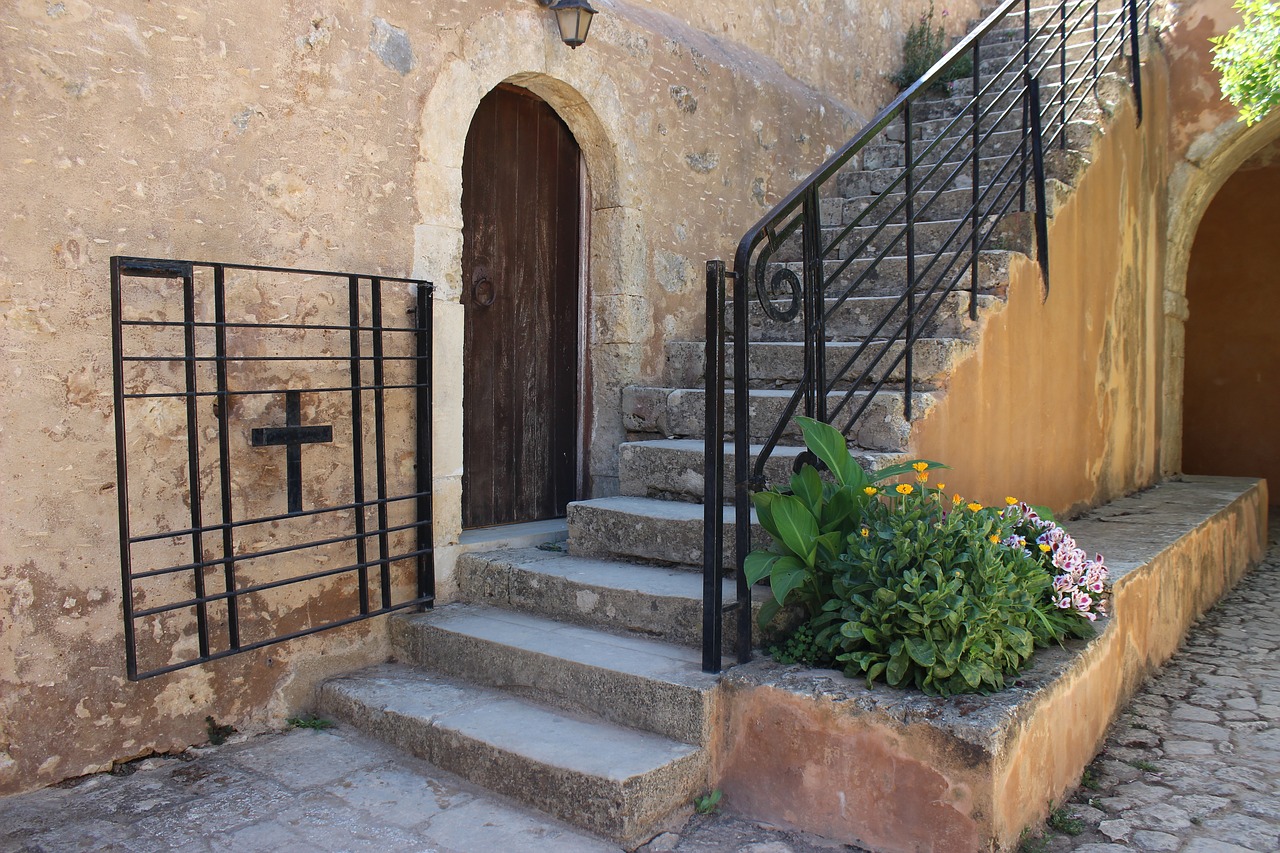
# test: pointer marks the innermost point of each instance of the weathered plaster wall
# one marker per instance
(1232, 403)
(1058, 403)
(899, 772)
(331, 137)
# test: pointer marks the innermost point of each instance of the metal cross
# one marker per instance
(292, 435)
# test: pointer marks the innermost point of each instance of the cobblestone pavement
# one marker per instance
(1192, 766)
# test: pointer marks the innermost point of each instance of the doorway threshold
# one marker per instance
(506, 536)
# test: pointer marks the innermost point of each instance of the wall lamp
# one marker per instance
(573, 17)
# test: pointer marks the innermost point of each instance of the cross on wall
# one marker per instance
(292, 436)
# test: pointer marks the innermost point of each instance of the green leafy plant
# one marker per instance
(1144, 765)
(707, 803)
(811, 521)
(801, 646)
(925, 44)
(218, 733)
(1090, 779)
(1248, 59)
(1064, 821)
(1032, 843)
(310, 721)
(931, 596)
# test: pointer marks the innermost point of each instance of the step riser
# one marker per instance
(779, 366)
(623, 810)
(671, 710)
(594, 532)
(649, 471)
(953, 149)
(668, 413)
(889, 275)
(670, 618)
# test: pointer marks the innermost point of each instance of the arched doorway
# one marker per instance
(1232, 367)
(521, 269)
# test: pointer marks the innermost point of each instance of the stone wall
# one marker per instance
(331, 137)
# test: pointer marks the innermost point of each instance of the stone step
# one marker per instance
(671, 468)
(780, 364)
(609, 779)
(631, 681)
(931, 206)
(679, 413)
(928, 179)
(662, 603)
(667, 532)
(952, 147)
(858, 316)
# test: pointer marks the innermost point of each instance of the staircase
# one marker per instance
(571, 677)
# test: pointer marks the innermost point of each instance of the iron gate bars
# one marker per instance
(219, 553)
(1020, 80)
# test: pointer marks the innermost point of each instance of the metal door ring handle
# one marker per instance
(483, 292)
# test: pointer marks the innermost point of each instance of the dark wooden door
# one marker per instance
(520, 257)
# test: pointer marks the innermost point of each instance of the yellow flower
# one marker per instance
(974, 507)
(870, 490)
(994, 538)
(1011, 501)
(941, 486)
(904, 489)
(865, 532)
(921, 466)
(1045, 548)
(922, 477)
(956, 499)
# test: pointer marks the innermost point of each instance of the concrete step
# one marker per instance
(667, 532)
(671, 468)
(679, 413)
(609, 779)
(781, 364)
(858, 316)
(661, 603)
(631, 681)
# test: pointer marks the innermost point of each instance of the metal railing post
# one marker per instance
(977, 186)
(911, 259)
(1037, 156)
(1135, 61)
(713, 472)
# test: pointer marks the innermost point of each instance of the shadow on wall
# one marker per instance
(1232, 348)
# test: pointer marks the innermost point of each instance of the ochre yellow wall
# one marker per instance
(1058, 403)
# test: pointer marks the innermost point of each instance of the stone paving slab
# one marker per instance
(1193, 763)
(299, 792)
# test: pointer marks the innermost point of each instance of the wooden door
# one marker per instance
(520, 266)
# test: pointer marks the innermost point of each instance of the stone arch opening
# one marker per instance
(581, 91)
(1231, 382)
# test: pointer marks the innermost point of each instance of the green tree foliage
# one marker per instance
(1248, 58)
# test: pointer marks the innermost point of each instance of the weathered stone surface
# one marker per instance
(631, 681)
(614, 781)
(647, 529)
(659, 602)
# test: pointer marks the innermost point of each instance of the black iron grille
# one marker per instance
(273, 452)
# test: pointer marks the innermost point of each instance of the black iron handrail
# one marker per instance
(798, 274)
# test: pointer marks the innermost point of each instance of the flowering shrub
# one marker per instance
(902, 583)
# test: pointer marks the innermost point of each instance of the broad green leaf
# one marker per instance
(758, 565)
(898, 663)
(787, 574)
(971, 673)
(829, 545)
(839, 511)
(763, 502)
(807, 485)
(920, 650)
(875, 671)
(797, 529)
(768, 609)
(828, 444)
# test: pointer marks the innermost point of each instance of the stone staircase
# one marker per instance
(569, 678)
